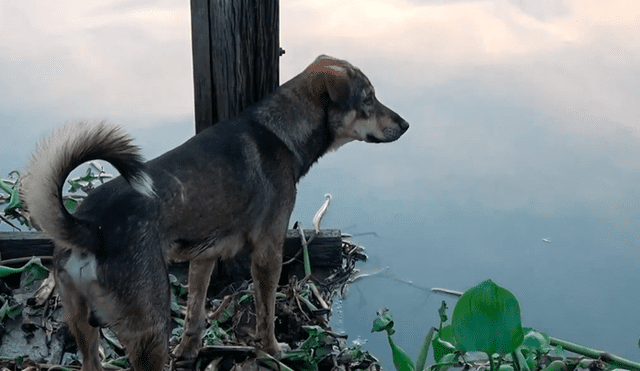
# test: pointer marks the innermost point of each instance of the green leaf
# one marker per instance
(556, 366)
(531, 361)
(5, 271)
(383, 322)
(37, 270)
(71, 204)
(178, 289)
(487, 318)
(311, 351)
(536, 340)
(297, 355)
(443, 312)
(226, 314)
(214, 335)
(8, 310)
(356, 352)
(244, 298)
(446, 362)
(84, 183)
(33, 266)
(177, 331)
(558, 351)
(401, 359)
(176, 308)
(316, 337)
(111, 338)
(443, 343)
(14, 195)
(19, 360)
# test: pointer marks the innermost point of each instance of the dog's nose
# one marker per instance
(404, 125)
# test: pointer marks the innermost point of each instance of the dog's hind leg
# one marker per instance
(77, 318)
(142, 325)
(141, 318)
(147, 350)
(200, 270)
(266, 266)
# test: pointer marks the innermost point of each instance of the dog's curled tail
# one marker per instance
(67, 148)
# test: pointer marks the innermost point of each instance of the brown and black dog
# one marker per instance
(231, 186)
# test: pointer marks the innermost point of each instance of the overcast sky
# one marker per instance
(130, 59)
(520, 106)
(570, 67)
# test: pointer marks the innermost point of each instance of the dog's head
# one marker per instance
(349, 99)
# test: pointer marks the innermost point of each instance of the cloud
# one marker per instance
(458, 32)
(581, 59)
(133, 58)
(78, 59)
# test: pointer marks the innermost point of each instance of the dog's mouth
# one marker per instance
(372, 139)
(389, 134)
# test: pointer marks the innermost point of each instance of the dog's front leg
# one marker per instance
(200, 270)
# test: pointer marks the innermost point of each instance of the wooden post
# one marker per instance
(235, 56)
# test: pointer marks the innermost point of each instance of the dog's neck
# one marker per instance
(303, 128)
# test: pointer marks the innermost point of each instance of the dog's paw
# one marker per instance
(282, 349)
(187, 349)
(276, 350)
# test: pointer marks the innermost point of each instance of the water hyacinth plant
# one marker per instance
(486, 319)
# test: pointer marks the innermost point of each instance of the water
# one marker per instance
(452, 215)
(469, 194)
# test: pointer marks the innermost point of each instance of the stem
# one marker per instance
(595, 354)
(305, 252)
(520, 361)
(424, 350)
(491, 363)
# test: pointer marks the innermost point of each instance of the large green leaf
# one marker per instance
(443, 343)
(487, 319)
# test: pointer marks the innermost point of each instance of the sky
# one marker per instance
(524, 125)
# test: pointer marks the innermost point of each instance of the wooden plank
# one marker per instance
(324, 251)
(24, 244)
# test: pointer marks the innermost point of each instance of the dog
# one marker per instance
(230, 187)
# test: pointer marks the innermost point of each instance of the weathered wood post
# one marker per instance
(236, 53)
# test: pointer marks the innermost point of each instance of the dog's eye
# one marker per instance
(368, 100)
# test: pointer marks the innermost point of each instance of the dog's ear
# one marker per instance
(329, 75)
